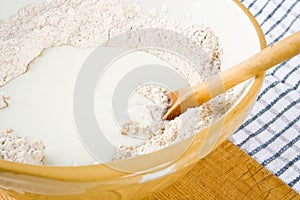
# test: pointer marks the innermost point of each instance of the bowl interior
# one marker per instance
(237, 36)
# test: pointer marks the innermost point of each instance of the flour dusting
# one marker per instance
(14, 147)
(89, 23)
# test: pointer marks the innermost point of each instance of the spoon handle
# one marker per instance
(262, 61)
(217, 84)
(258, 63)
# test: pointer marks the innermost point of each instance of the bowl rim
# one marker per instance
(78, 173)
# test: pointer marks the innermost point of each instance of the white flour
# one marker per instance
(82, 24)
(162, 133)
(14, 147)
(89, 23)
(148, 123)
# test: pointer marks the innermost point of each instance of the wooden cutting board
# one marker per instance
(227, 173)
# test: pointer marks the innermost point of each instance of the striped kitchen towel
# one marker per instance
(271, 134)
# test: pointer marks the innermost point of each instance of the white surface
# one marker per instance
(42, 98)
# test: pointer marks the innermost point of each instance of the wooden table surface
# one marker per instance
(227, 173)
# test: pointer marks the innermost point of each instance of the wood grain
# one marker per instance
(227, 173)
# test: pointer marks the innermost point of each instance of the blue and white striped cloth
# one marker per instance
(271, 134)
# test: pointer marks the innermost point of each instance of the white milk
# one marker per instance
(42, 99)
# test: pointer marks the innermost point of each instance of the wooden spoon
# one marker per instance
(185, 98)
